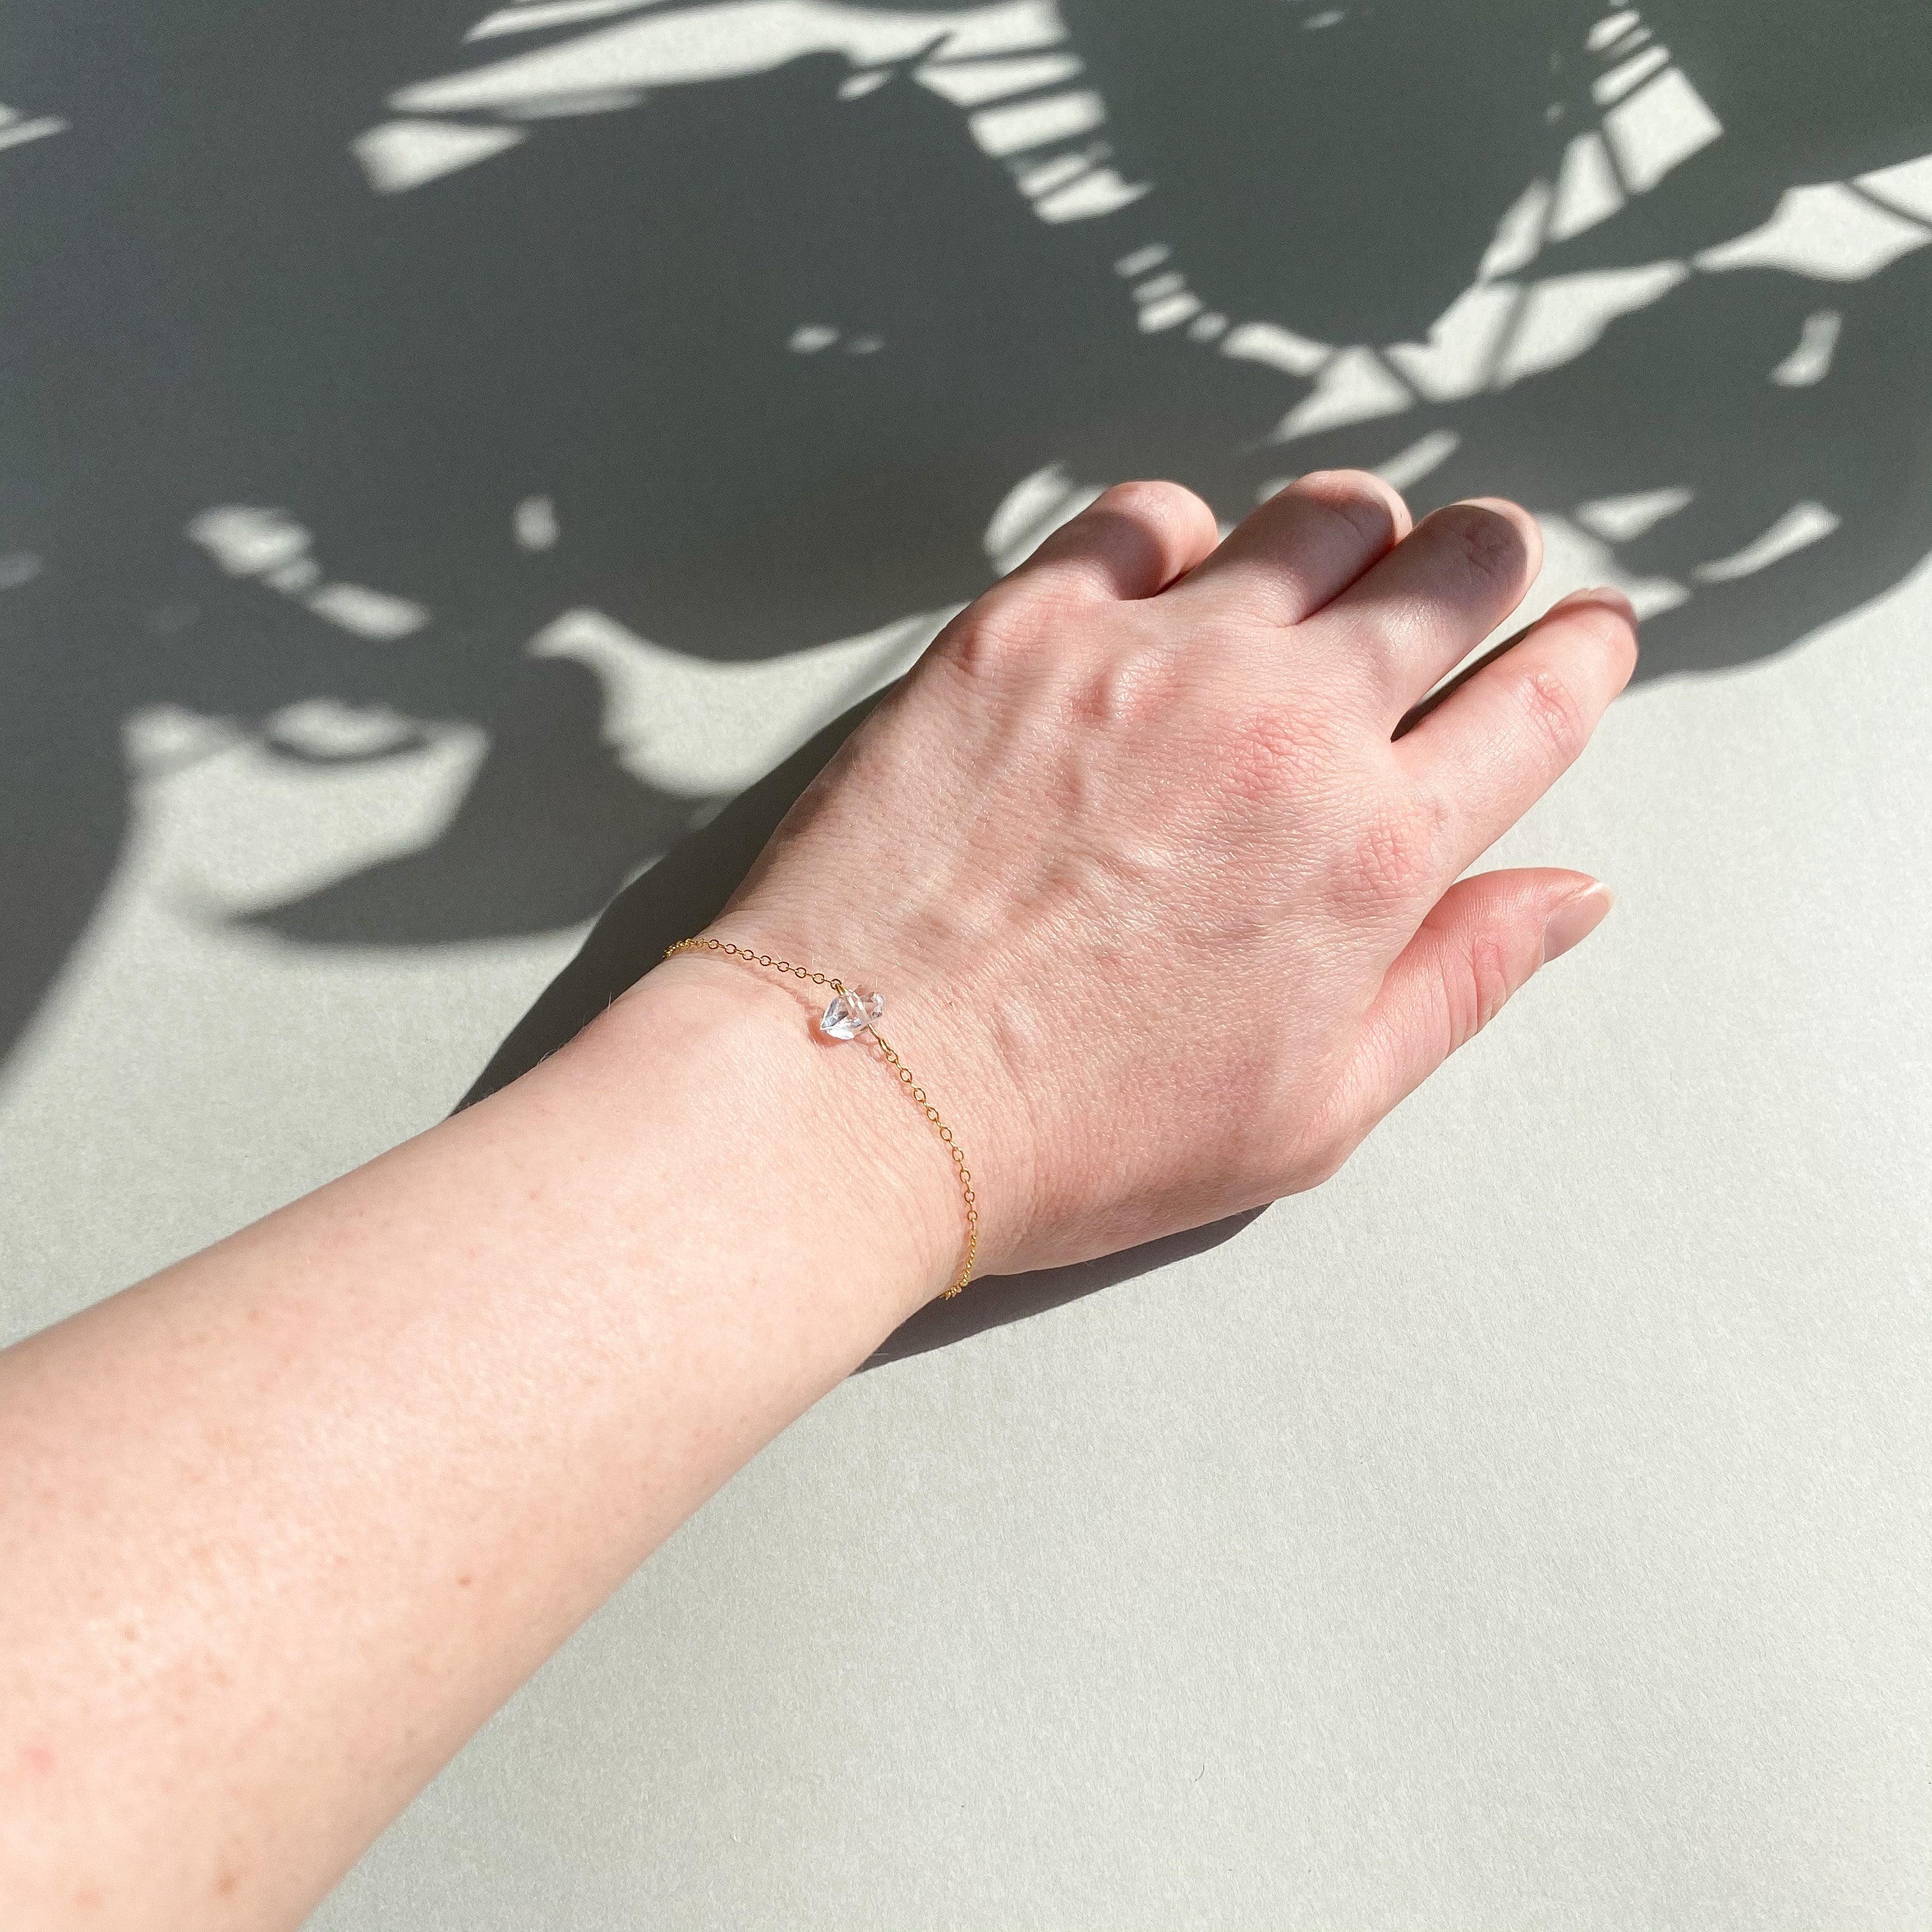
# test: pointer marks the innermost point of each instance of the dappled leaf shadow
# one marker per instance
(770, 344)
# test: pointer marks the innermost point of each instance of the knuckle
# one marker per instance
(1553, 713)
(1396, 854)
(992, 636)
(1157, 504)
(1371, 507)
(1270, 753)
(1487, 986)
(1123, 688)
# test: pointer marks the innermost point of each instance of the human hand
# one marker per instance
(1162, 908)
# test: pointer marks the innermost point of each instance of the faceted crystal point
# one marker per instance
(849, 1013)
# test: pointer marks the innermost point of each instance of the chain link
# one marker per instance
(961, 1172)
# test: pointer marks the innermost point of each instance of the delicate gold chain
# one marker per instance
(961, 1172)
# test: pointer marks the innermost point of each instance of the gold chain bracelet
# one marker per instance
(849, 1013)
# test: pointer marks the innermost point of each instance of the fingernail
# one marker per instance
(1576, 919)
(1602, 593)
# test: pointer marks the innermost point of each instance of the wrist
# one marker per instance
(862, 1182)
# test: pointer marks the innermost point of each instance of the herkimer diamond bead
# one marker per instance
(849, 1014)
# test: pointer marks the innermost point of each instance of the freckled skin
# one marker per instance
(525, 1345)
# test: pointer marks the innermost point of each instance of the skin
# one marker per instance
(1169, 912)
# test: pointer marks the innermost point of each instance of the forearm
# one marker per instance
(1171, 909)
(283, 1525)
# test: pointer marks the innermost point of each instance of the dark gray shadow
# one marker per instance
(682, 894)
(205, 304)
(999, 1299)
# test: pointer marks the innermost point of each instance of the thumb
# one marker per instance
(1481, 942)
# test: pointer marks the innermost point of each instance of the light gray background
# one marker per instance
(1529, 1529)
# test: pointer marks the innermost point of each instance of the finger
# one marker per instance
(1436, 595)
(1282, 563)
(1496, 743)
(1131, 542)
(1480, 943)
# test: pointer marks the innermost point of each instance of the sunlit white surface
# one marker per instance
(1528, 1528)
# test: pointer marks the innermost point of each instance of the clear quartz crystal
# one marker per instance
(849, 1013)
